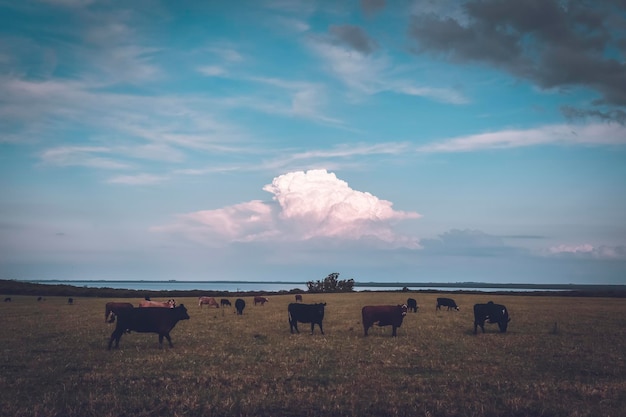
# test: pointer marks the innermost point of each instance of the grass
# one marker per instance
(562, 356)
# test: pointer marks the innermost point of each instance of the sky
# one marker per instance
(404, 141)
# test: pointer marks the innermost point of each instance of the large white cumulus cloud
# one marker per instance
(304, 206)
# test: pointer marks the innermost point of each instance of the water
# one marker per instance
(244, 286)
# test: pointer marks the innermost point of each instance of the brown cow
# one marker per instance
(298, 298)
(163, 304)
(261, 300)
(384, 315)
(112, 309)
(210, 301)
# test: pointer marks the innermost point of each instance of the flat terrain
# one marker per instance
(562, 356)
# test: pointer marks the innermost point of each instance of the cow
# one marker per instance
(240, 305)
(446, 302)
(225, 302)
(171, 303)
(148, 320)
(411, 304)
(261, 300)
(305, 313)
(70, 300)
(210, 301)
(298, 298)
(7, 300)
(111, 309)
(492, 313)
(384, 315)
(39, 298)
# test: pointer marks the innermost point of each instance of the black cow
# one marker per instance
(306, 313)
(225, 302)
(70, 300)
(7, 300)
(411, 304)
(446, 302)
(384, 315)
(148, 320)
(492, 313)
(240, 305)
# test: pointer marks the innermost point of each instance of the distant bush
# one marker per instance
(331, 284)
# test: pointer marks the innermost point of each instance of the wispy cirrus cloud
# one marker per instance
(606, 134)
(367, 71)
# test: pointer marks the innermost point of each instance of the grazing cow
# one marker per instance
(384, 315)
(305, 313)
(171, 303)
(39, 298)
(411, 304)
(148, 320)
(8, 299)
(446, 302)
(210, 301)
(492, 313)
(298, 298)
(225, 302)
(112, 309)
(70, 300)
(240, 305)
(261, 300)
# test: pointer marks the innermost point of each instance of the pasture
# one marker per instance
(562, 356)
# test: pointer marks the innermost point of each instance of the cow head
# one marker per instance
(181, 312)
(404, 309)
(171, 303)
(504, 321)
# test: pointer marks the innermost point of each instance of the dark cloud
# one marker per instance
(354, 37)
(572, 113)
(553, 43)
(371, 7)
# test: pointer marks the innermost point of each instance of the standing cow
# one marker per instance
(240, 304)
(210, 301)
(225, 302)
(111, 309)
(298, 298)
(492, 313)
(384, 315)
(411, 304)
(260, 300)
(446, 302)
(305, 313)
(148, 320)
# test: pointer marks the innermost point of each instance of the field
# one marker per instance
(562, 356)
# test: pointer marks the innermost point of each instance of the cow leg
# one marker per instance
(320, 324)
(115, 336)
(365, 327)
(294, 325)
(393, 331)
(169, 339)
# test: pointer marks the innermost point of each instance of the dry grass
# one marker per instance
(561, 357)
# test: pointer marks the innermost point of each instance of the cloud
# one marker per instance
(552, 43)
(86, 156)
(354, 37)
(586, 251)
(371, 7)
(306, 206)
(139, 179)
(473, 243)
(372, 72)
(590, 135)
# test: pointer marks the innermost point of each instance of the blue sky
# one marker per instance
(409, 141)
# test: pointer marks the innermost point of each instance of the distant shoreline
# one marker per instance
(357, 284)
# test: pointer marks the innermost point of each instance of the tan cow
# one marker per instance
(210, 301)
(163, 304)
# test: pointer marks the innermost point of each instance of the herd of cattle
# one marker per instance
(161, 317)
